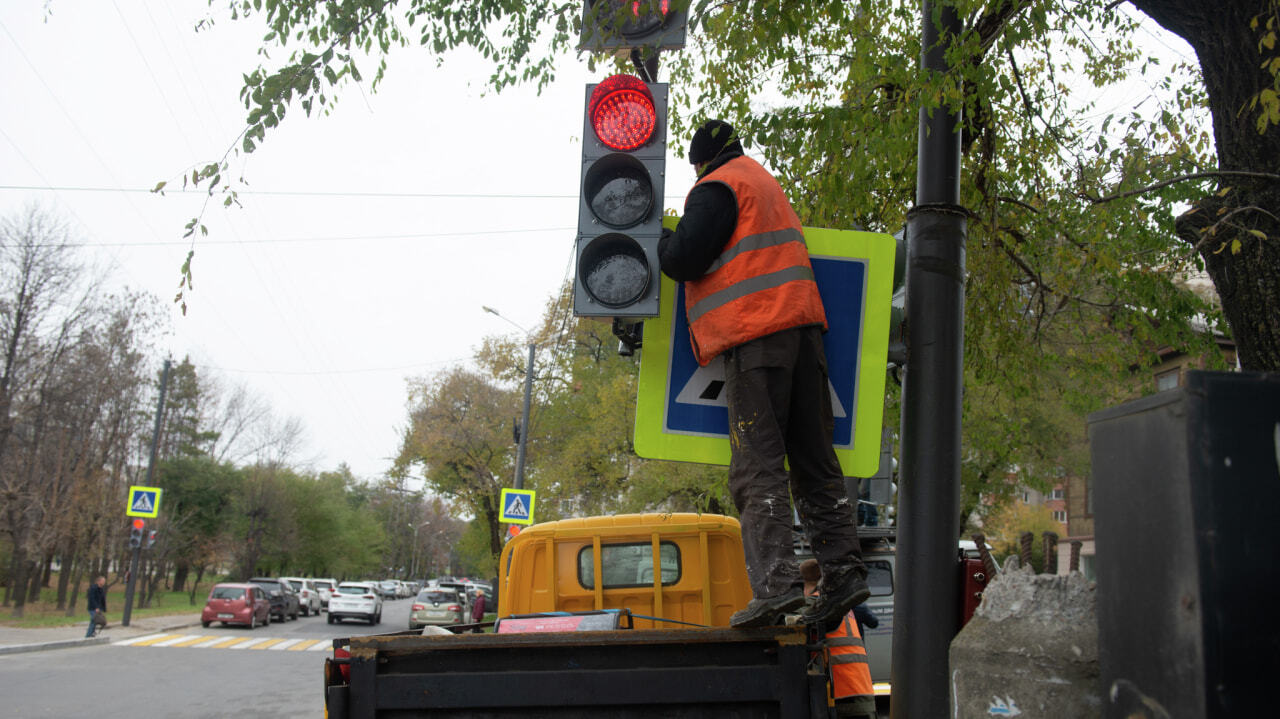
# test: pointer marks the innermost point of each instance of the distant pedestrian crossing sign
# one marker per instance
(144, 501)
(517, 506)
(681, 412)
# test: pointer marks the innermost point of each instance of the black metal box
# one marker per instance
(1187, 529)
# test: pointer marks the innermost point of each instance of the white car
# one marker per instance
(355, 600)
(325, 587)
(308, 594)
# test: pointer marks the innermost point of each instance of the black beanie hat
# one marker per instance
(712, 139)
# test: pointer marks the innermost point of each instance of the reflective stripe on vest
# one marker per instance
(850, 672)
(762, 281)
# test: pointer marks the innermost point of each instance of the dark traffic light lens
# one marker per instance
(641, 16)
(619, 191)
(614, 270)
(622, 112)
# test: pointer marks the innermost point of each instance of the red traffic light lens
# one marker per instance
(622, 112)
(139, 523)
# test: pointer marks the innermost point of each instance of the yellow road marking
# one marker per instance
(303, 645)
(154, 640)
(189, 642)
(267, 643)
(229, 642)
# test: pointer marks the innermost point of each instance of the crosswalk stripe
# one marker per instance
(226, 643)
(248, 643)
(134, 640)
(284, 644)
(321, 646)
(157, 639)
(177, 640)
(208, 642)
(190, 641)
(267, 643)
(305, 644)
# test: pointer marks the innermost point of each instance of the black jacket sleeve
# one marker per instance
(710, 216)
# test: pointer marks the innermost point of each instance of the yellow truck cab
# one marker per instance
(683, 567)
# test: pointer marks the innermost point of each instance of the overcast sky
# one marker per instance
(369, 239)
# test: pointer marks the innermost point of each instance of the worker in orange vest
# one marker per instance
(752, 303)
(847, 657)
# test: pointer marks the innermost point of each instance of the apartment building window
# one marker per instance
(1026, 497)
(1058, 493)
(1167, 380)
(1060, 515)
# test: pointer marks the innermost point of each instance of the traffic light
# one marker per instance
(625, 24)
(135, 534)
(620, 211)
(898, 303)
(151, 539)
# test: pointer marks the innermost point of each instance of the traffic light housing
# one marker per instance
(624, 153)
(619, 25)
(135, 533)
(151, 539)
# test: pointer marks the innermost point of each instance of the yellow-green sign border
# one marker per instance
(863, 460)
(155, 509)
(530, 497)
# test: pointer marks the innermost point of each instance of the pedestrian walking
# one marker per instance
(97, 605)
(477, 610)
(752, 303)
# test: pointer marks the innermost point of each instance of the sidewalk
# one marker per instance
(14, 640)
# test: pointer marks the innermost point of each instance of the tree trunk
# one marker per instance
(20, 574)
(64, 577)
(180, 575)
(35, 580)
(1224, 227)
(196, 583)
(75, 588)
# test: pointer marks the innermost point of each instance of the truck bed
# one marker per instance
(625, 673)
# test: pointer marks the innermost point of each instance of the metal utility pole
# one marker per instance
(151, 470)
(523, 441)
(926, 616)
(524, 418)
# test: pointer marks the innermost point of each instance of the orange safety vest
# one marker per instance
(850, 673)
(762, 281)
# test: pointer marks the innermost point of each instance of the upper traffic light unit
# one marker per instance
(620, 207)
(619, 25)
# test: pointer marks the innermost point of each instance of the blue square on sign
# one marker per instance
(695, 402)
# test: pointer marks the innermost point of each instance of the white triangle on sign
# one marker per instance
(706, 387)
(143, 503)
(516, 508)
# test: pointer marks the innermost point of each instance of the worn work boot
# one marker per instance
(767, 612)
(834, 603)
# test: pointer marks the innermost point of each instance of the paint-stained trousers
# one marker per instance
(780, 408)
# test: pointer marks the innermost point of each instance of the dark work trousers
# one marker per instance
(780, 408)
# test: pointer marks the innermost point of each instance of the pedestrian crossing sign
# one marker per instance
(144, 501)
(517, 506)
(682, 412)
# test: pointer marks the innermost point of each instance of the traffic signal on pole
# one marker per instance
(135, 534)
(151, 539)
(898, 303)
(613, 25)
(624, 153)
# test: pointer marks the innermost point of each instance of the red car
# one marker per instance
(237, 604)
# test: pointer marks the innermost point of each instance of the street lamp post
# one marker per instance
(522, 444)
(413, 564)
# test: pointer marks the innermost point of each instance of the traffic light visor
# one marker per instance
(618, 191)
(614, 270)
(622, 112)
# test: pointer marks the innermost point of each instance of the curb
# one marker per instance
(73, 643)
